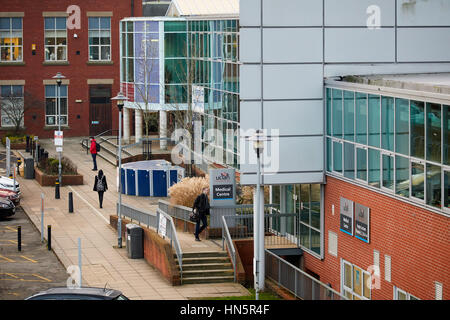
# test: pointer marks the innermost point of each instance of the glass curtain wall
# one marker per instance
(398, 145)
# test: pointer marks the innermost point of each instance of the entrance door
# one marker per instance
(99, 109)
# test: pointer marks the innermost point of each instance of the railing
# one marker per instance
(110, 132)
(226, 237)
(298, 282)
(152, 221)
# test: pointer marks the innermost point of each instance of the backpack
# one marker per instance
(97, 146)
(100, 185)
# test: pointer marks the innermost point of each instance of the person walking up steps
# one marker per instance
(201, 203)
(100, 186)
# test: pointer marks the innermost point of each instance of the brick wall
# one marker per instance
(417, 240)
(77, 71)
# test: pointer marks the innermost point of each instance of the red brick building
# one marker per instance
(79, 39)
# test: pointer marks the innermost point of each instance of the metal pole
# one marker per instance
(261, 233)
(79, 259)
(256, 230)
(59, 129)
(119, 223)
(42, 217)
(19, 238)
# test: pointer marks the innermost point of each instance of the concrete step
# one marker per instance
(204, 254)
(207, 266)
(208, 279)
(107, 157)
(188, 274)
(111, 145)
(204, 260)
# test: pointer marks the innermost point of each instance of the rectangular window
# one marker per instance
(446, 142)
(337, 113)
(337, 156)
(55, 39)
(329, 115)
(446, 189)
(329, 155)
(374, 120)
(388, 171)
(355, 282)
(11, 35)
(361, 117)
(51, 105)
(433, 132)
(99, 39)
(433, 190)
(361, 164)
(387, 123)
(349, 115)
(402, 126)
(417, 129)
(12, 105)
(349, 160)
(417, 180)
(374, 168)
(402, 176)
(403, 295)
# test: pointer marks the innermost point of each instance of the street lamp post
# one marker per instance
(258, 237)
(59, 77)
(120, 98)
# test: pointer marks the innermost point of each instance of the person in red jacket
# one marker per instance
(93, 150)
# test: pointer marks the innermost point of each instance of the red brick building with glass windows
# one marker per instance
(79, 39)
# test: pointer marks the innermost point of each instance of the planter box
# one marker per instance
(49, 180)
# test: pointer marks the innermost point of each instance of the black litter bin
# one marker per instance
(29, 168)
(135, 241)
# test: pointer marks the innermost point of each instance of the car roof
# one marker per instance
(105, 292)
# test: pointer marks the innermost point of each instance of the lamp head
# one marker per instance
(120, 98)
(59, 77)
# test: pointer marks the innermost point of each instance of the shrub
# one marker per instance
(184, 192)
(16, 137)
(50, 166)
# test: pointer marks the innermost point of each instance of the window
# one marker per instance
(349, 115)
(374, 168)
(374, 120)
(446, 128)
(361, 164)
(55, 39)
(402, 126)
(387, 123)
(329, 114)
(11, 39)
(337, 156)
(417, 129)
(356, 283)
(388, 171)
(403, 295)
(361, 117)
(310, 195)
(329, 155)
(11, 105)
(446, 189)
(433, 185)
(51, 106)
(402, 176)
(349, 160)
(337, 113)
(417, 180)
(99, 38)
(433, 132)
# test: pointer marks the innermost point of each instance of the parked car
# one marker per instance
(10, 195)
(8, 183)
(85, 293)
(7, 208)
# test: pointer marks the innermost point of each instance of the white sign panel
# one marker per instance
(58, 138)
(162, 225)
(59, 149)
(198, 99)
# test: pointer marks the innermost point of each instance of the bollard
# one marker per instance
(38, 152)
(19, 238)
(27, 148)
(70, 202)
(19, 162)
(49, 237)
(57, 188)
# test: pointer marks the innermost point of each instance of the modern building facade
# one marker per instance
(79, 39)
(363, 161)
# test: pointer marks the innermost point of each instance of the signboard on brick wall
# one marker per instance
(346, 216)
(362, 222)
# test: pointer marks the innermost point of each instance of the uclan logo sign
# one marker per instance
(223, 176)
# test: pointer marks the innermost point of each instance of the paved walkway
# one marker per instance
(101, 262)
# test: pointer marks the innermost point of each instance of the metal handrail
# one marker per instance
(173, 236)
(227, 237)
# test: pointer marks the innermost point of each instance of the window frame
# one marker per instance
(55, 46)
(22, 124)
(11, 46)
(351, 291)
(99, 45)
(397, 290)
(56, 107)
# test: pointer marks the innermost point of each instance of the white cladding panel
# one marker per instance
(250, 45)
(250, 81)
(423, 44)
(356, 13)
(290, 45)
(249, 13)
(292, 13)
(423, 13)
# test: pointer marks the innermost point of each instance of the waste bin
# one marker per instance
(29, 168)
(135, 241)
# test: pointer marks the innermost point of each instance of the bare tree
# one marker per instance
(15, 105)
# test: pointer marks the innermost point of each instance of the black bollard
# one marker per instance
(38, 151)
(19, 238)
(19, 162)
(27, 148)
(49, 237)
(57, 189)
(70, 202)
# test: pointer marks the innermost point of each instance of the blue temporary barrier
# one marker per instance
(123, 181)
(173, 177)
(143, 183)
(131, 182)
(159, 183)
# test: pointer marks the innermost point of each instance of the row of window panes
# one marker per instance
(214, 26)
(415, 128)
(405, 176)
(356, 282)
(11, 47)
(221, 46)
(11, 102)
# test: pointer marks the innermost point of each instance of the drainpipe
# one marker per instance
(132, 8)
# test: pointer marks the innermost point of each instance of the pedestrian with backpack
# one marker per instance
(95, 147)
(100, 186)
(201, 206)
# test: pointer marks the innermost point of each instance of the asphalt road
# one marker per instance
(34, 268)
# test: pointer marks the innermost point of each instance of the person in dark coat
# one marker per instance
(100, 186)
(201, 204)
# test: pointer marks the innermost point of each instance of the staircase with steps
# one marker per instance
(206, 267)
(108, 151)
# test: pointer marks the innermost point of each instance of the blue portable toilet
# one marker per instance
(143, 183)
(131, 182)
(173, 177)
(159, 183)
